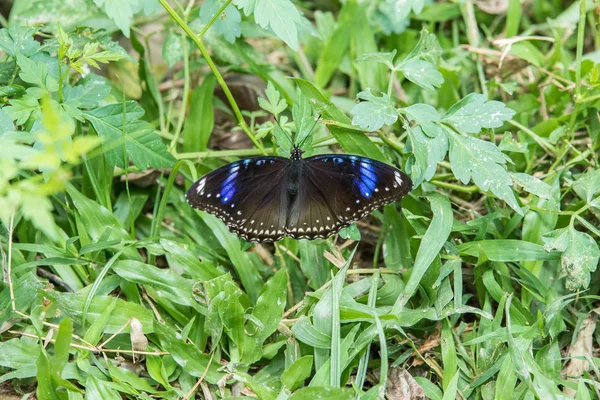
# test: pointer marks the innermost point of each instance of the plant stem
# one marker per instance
(214, 18)
(215, 70)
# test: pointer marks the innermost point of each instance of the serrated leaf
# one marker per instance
(428, 48)
(474, 112)
(21, 109)
(119, 124)
(281, 16)
(587, 185)
(508, 143)
(382, 58)
(227, 24)
(427, 152)
(121, 12)
(246, 5)
(426, 116)
(18, 40)
(374, 112)
(273, 103)
(422, 73)
(533, 185)
(580, 255)
(350, 232)
(483, 162)
(36, 73)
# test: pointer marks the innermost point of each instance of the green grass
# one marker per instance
(481, 284)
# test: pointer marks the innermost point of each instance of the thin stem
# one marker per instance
(215, 70)
(184, 97)
(549, 148)
(214, 18)
(9, 261)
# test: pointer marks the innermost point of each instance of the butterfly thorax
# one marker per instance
(296, 154)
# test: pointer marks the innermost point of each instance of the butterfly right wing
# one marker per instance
(249, 196)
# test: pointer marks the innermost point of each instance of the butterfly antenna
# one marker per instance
(311, 129)
(283, 130)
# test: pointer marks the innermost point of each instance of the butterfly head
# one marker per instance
(296, 153)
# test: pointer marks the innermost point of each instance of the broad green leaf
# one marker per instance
(297, 373)
(172, 50)
(306, 332)
(249, 275)
(580, 255)
(124, 135)
(18, 40)
(199, 123)
(374, 112)
(350, 232)
(36, 73)
(508, 143)
(304, 120)
(422, 73)
(22, 108)
(474, 112)
(587, 185)
(18, 354)
(72, 305)
(281, 16)
(167, 283)
(506, 250)
(99, 389)
(386, 59)
(483, 162)
(392, 15)
(228, 24)
(270, 304)
(426, 154)
(26, 291)
(323, 393)
(428, 48)
(188, 356)
(425, 116)
(431, 244)
(533, 185)
(528, 52)
(122, 11)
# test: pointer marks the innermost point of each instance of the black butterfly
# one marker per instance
(263, 199)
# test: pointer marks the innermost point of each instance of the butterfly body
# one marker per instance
(263, 199)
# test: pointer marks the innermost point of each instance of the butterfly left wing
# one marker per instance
(336, 190)
(247, 196)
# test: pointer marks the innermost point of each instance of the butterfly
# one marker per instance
(263, 199)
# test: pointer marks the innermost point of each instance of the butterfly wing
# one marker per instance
(249, 196)
(336, 190)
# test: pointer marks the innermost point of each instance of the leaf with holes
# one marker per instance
(580, 255)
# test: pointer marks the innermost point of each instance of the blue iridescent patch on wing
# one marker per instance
(365, 179)
(228, 186)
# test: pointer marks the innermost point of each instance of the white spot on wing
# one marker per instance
(201, 185)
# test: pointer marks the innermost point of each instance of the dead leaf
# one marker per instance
(582, 348)
(400, 385)
(492, 6)
(139, 342)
